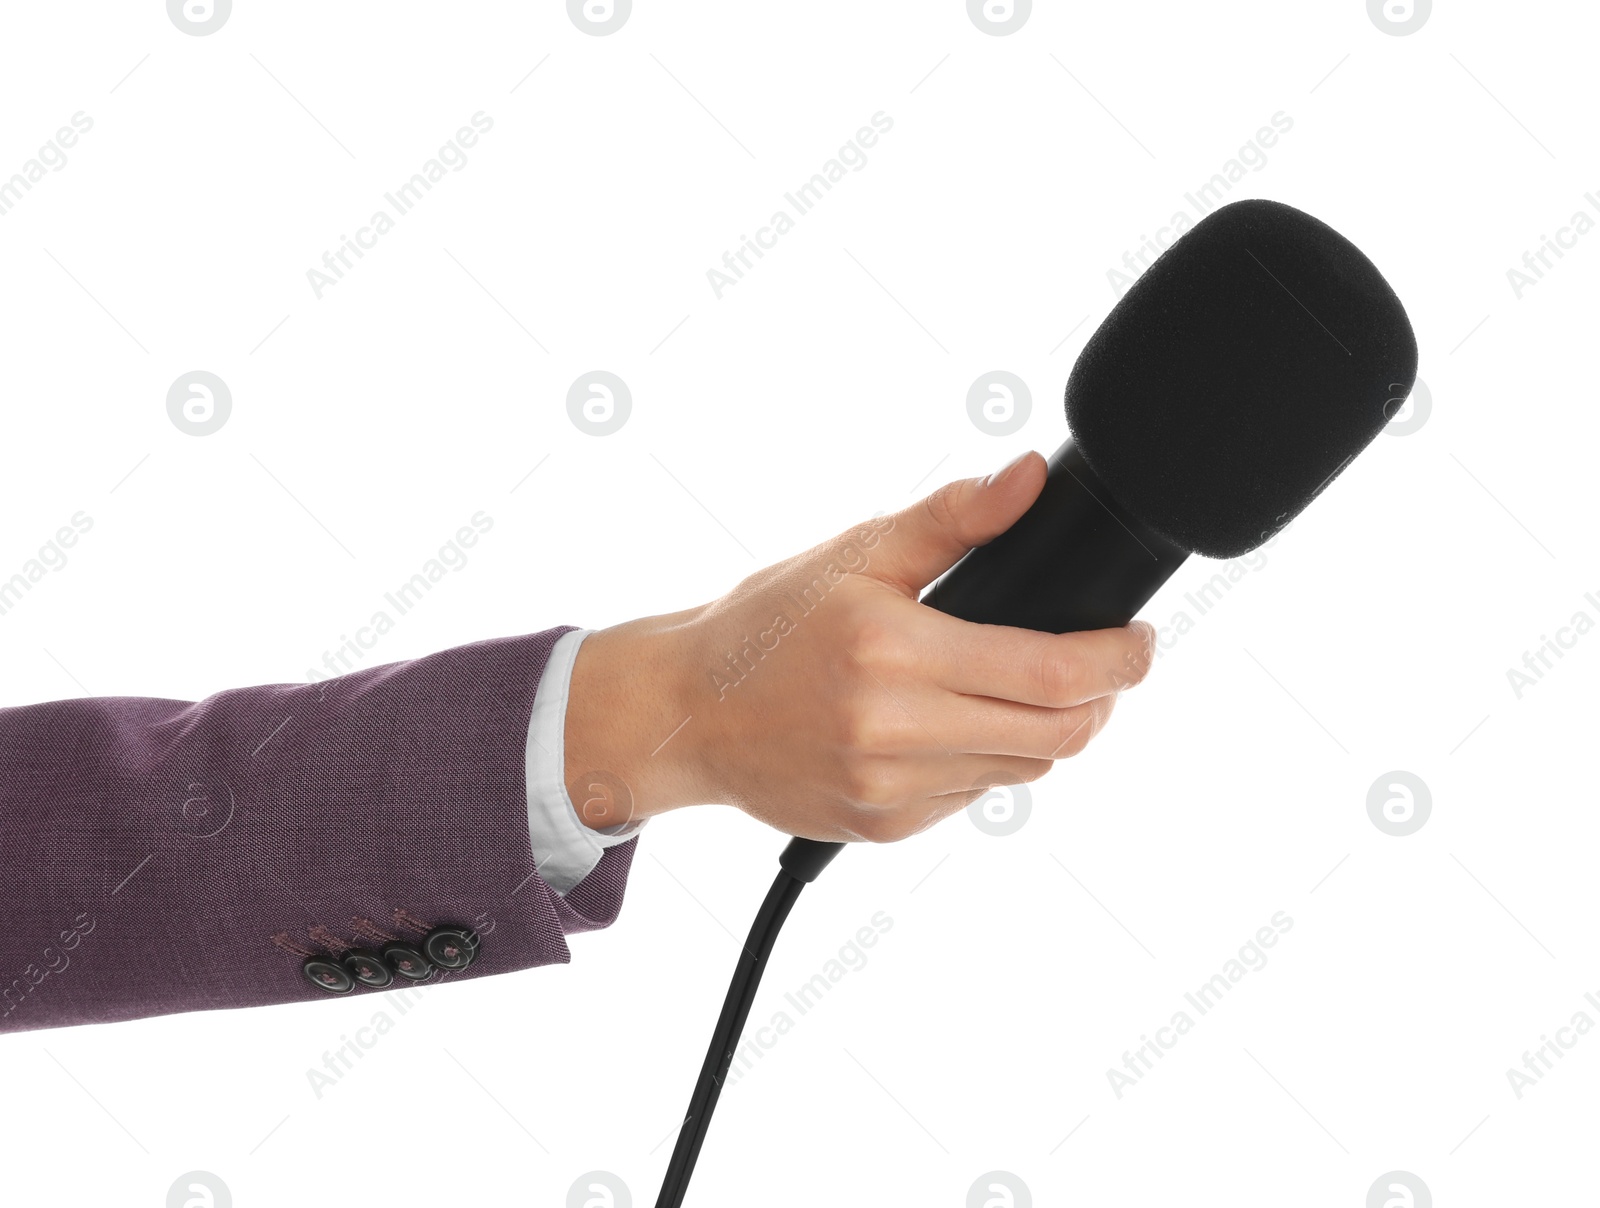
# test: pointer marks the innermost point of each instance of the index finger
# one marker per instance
(1049, 669)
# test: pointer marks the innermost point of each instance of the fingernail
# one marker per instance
(1005, 471)
(1149, 632)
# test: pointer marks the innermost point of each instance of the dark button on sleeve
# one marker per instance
(367, 968)
(325, 974)
(450, 947)
(407, 961)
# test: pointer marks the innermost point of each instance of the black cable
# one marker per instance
(802, 860)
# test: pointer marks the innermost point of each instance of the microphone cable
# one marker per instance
(801, 863)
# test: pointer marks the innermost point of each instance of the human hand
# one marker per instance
(820, 697)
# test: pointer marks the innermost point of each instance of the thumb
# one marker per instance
(929, 537)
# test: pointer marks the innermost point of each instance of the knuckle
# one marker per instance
(879, 826)
(874, 641)
(873, 784)
(869, 729)
(903, 823)
(941, 506)
(1060, 678)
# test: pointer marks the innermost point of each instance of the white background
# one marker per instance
(831, 383)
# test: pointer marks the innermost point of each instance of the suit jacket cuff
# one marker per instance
(565, 850)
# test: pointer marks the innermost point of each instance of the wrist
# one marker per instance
(630, 740)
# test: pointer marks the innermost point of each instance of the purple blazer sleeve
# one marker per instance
(159, 856)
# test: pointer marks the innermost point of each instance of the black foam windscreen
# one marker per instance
(1253, 359)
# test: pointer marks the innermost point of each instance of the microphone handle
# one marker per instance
(1076, 560)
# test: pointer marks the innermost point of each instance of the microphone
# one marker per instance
(1226, 389)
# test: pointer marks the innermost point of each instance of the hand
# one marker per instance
(820, 697)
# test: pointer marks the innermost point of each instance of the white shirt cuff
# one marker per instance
(564, 849)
